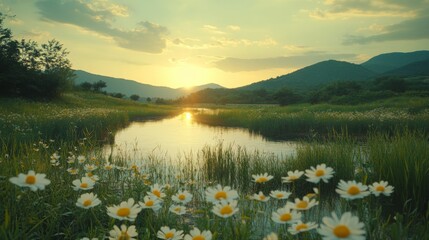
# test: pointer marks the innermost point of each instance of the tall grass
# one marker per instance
(403, 160)
(309, 121)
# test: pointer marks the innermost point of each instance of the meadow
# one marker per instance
(231, 193)
(319, 120)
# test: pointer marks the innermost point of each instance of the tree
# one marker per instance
(134, 97)
(86, 86)
(286, 96)
(97, 86)
(148, 99)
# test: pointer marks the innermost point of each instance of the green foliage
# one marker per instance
(32, 71)
(135, 97)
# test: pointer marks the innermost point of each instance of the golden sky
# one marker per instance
(181, 43)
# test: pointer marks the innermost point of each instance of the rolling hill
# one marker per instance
(314, 76)
(389, 61)
(129, 87)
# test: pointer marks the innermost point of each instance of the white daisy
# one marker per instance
(220, 193)
(347, 227)
(196, 234)
(292, 176)
(225, 208)
(262, 178)
(177, 209)
(381, 187)
(125, 210)
(170, 234)
(321, 172)
(32, 180)
(303, 204)
(285, 215)
(352, 190)
(84, 183)
(151, 202)
(260, 197)
(88, 200)
(182, 197)
(299, 227)
(280, 194)
(123, 233)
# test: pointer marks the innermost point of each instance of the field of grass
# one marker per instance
(309, 121)
(73, 115)
(34, 208)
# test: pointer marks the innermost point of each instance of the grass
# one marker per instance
(52, 213)
(77, 113)
(400, 157)
(310, 121)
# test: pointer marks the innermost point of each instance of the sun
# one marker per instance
(189, 75)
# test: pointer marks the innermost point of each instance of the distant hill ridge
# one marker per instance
(129, 87)
(322, 73)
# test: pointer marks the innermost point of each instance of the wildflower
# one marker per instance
(71, 159)
(299, 227)
(92, 176)
(123, 233)
(260, 197)
(220, 193)
(170, 234)
(225, 208)
(182, 197)
(177, 209)
(81, 159)
(156, 191)
(88, 200)
(196, 234)
(84, 183)
(90, 167)
(125, 211)
(32, 180)
(262, 178)
(352, 190)
(347, 227)
(280, 194)
(292, 176)
(285, 215)
(108, 166)
(303, 204)
(313, 194)
(381, 187)
(271, 236)
(73, 171)
(321, 172)
(151, 202)
(55, 156)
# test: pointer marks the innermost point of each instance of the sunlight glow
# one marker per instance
(187, 116)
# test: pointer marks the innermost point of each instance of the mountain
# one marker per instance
(129, 87)
(314, 76)
(389, 61)
(420, 68)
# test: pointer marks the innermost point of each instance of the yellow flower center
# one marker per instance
(301, 226)
(123, 212)
(182, 197)
(261, 197)
(177, 209)
(353, 190)
(84, 185)
(279, 195)
(320, 172)
(226, 210)
(156, 193)
(261, 179)
(285, 217)
(169, 235)
(87, 203)
(90, 174)
(341, 231)
(220, 195)
(291, 178)
(30, 179)
(199, 237)
(149, 203)
(124, 236)
(379, 188)
(302, 204)
(108, 167)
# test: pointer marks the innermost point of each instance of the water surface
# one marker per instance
(181, 135)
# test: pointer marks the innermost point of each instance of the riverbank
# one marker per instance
(74, 114)
(305, 121)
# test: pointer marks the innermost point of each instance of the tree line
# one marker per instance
(32, 70)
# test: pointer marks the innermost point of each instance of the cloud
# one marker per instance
(234, 27)
(415, 29)
(212, 29)
(98, 16)
(237, 64)
(341, 9)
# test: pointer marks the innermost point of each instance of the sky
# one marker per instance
(183, 43)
